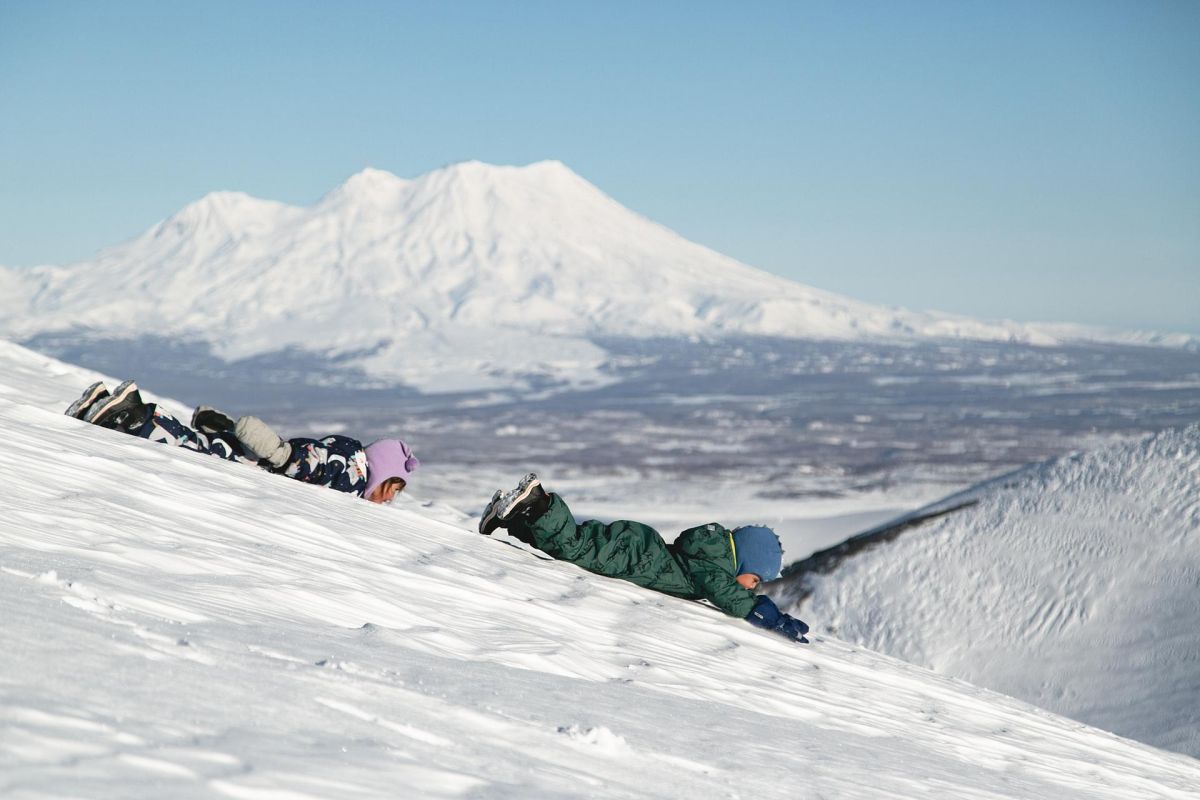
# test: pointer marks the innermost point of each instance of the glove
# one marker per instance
(767, 615)
(262, 442)
(792, 628)
(207, 419)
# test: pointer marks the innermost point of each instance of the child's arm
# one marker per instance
(710, 562)
(338, 462)
(719, 588)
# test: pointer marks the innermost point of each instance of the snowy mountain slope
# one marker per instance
(458, 274)
(1074, 585)
(33, 379)
(178, 626)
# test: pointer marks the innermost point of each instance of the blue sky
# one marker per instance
(1031, 161)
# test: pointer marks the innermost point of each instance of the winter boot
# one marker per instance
(528, 499)
(123, 410)
(97, 391)
(209, 420)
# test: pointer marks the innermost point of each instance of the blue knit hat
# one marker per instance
(758, 551)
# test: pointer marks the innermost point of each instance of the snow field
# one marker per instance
(174, 625)
(1074, 585)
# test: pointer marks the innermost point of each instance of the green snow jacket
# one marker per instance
(699, 565)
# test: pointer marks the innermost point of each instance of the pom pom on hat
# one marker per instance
(758, 551)
(388, 458)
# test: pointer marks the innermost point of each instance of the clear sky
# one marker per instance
(1026, 160)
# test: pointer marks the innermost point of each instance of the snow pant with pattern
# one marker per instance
(162, 427)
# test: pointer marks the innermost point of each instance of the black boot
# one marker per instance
(123, 410)
(528, 500)
(91, 395)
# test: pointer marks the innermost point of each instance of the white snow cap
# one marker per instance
(445, 278)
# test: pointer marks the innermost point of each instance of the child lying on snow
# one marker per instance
(709, 562)
(377, 472)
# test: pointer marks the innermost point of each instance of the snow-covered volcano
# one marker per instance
(1074, 585)
(173, 625)
(468, 270)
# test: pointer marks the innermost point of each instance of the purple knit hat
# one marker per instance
(388, 458)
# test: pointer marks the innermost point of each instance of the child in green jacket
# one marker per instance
(707, 562)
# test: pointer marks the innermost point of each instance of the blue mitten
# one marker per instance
(792, 628)
(766, 614)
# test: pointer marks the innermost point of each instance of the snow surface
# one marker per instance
(465, 277)
(178, 626)
(1074, 585)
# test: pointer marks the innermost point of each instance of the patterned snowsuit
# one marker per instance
(700, 564)
(338, 462)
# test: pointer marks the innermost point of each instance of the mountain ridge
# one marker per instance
(519, 266)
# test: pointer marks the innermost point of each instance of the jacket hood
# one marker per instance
(757, 550)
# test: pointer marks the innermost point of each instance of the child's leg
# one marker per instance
(553, 532)
(624, 549)
(162, 427)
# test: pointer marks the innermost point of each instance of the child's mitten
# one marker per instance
(207, 419)
(766, 614)
(262, 442)
(792, 628)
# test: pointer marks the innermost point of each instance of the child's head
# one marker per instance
(389, 461)
(759, 554)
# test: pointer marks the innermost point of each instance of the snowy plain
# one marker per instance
(819, 439)
(178, 626)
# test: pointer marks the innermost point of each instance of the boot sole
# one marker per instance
(90, 395)
(496, 516)
(112, 401)
(524, 489)
(490, 520)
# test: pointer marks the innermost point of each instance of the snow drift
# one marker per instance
(178, 626)
(457, 278)
(1074, 585)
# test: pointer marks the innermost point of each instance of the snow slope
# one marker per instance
(1074, 585)
(177, 626)
(451, 280)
